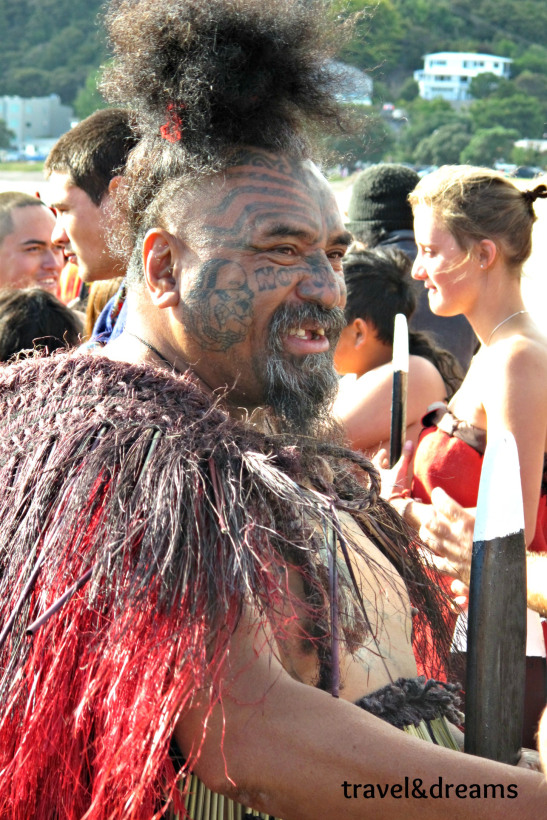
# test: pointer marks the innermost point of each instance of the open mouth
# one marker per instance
(303, 340)
(305, 329)
(307, 333)
(48, 282)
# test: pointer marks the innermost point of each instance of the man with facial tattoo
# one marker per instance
(198, 579)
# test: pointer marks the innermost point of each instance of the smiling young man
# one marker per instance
(182, 615)
(28, 255)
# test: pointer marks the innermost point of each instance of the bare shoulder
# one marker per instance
(522, 359)
(423, 370)
(514, 387)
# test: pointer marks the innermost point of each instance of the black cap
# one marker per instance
(379, 198)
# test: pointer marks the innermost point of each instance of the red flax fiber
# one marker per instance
(181, 515)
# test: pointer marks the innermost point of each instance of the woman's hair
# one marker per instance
(478, 203)
(99, 295)
(379, 286)
(206, 78)
(33, 319)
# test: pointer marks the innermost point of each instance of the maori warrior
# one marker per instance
(189, 556)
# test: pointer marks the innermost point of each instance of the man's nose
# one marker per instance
(321, 284)
(58, 235)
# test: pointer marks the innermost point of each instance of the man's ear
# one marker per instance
(360, 331)
(113, 184)
(487, 253)
(158, 257)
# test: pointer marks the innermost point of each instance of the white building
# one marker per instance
(32, 118)
(447, 74)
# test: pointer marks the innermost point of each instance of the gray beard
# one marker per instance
(301, 390)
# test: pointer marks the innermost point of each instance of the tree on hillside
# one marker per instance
(520, 20)
(377, 34)
(488, 145)
(88, 100)
(6, 136)
(27, 82)
(425, 117)
(524, 114)
(409, 90)
(484, 85)
(533, 85)
(67, 82)
(443, 147)
(529, 156)
(62, 39)
(533, 59)
(428, 27)
(369, 141)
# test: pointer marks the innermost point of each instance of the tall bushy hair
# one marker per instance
(206, 77)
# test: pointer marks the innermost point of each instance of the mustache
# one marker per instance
(286, 317)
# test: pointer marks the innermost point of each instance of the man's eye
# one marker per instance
(284, 249)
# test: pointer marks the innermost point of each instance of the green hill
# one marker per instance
(49, 46)
(54, 45)
(57, 46)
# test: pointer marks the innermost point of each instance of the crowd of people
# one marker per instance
(210, 597)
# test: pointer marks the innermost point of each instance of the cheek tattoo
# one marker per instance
(271, 277)
(219, 309)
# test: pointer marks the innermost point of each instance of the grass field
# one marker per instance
(21, 167)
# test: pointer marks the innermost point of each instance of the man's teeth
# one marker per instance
(303, 334)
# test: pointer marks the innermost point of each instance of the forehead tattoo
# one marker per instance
(269, 197)
(266, 191)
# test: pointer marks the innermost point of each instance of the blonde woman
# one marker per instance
(473, 230)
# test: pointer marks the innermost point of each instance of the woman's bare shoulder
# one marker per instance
(520, 356)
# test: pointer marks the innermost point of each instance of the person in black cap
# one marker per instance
(379, 215)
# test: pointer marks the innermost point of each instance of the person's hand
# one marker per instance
(448, 532)
(396, 479)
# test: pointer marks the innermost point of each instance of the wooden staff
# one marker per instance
(496, 638)
(398, 396)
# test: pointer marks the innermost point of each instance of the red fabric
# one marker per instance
(448, 462)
